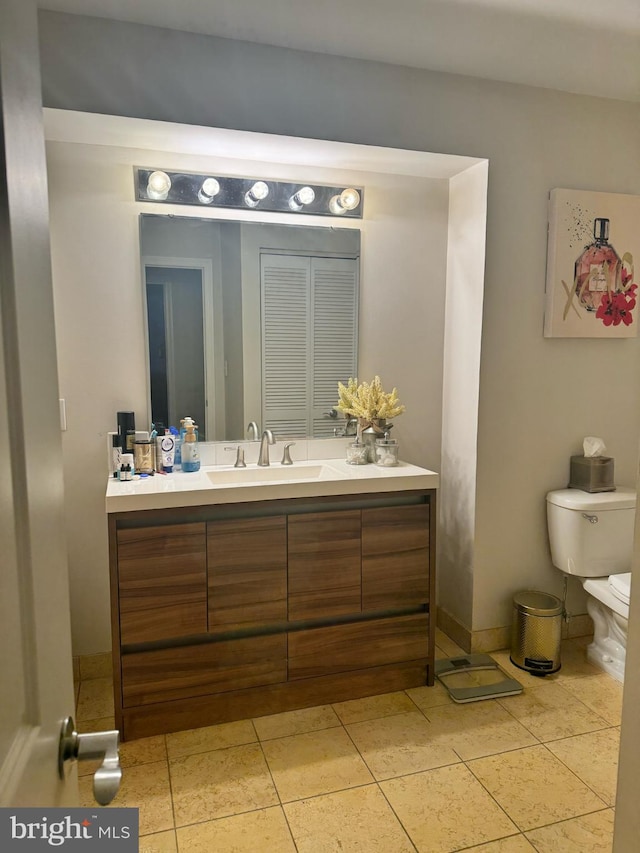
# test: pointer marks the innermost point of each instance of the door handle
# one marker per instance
(90, 747)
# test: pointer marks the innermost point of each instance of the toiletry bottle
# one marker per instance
(127, 465)
(157, 432)
(127, 430)
(177, 453)
(116, 451)
(187, 422)
(190, 452)
(168, 451)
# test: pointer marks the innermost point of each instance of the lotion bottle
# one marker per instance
(190, 452)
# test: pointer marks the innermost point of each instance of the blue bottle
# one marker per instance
(177, 457)
(190, 451)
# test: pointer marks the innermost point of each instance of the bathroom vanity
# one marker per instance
(242, 592)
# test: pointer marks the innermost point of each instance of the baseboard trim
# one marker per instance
(494, 639)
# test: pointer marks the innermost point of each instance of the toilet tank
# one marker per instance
(591, 535)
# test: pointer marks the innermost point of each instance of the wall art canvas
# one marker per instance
(592, 286)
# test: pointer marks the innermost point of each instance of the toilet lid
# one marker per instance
(621, 586)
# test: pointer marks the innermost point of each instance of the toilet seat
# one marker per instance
(621, 586)
(601, 589)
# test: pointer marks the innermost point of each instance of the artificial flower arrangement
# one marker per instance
(368, 402)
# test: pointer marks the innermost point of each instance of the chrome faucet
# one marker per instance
(253, 431)
(267, 439)
(239, 463)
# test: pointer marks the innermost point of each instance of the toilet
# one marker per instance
(591, 537)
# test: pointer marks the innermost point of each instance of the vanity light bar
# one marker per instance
(165, 187)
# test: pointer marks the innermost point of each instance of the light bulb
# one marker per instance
(305, 195)
(210, 188)
(348, 199)
(158, 185)
(255, 195)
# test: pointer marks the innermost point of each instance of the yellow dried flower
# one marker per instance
(368, 400)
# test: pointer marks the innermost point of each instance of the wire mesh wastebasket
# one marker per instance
(536, 632)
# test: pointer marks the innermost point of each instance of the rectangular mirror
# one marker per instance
(249, 322)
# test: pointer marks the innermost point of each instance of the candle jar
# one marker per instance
(357, 453)
(143, 455)
(386, 452)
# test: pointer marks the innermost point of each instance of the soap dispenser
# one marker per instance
(190, 451)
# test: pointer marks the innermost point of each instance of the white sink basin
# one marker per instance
(275, 474)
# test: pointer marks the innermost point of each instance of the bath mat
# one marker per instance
(469, 678)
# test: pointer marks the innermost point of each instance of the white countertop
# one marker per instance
(312, 478)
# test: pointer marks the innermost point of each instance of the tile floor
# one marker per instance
(406, 771)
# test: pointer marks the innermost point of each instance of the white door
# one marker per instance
(36, 683)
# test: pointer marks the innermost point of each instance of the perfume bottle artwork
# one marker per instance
(597, 273)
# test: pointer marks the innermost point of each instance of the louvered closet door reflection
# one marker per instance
(286, 346)
(309, 339)
(334, 329)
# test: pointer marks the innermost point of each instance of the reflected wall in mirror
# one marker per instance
(249, 322)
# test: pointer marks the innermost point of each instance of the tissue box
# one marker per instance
(592, 473)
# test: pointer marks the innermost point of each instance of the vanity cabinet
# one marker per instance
(247, 573)
(324, 564)
(162, 582)
(235, 610)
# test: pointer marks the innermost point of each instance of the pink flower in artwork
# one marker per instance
(616, 308)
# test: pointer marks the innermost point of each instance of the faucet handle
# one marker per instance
(286, 456)
(239, 463)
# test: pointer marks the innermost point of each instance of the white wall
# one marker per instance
(462, 339)
(538, 397)
(100, 323)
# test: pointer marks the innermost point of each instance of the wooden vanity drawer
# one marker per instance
(358, 645)
(247, 563)
(187, 671)
(324, 564)
(395, 557)
(162, 582)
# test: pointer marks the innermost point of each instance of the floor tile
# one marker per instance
(145, 787)
(429, 697)
(95, 699)
(314, 763)
(447, 645)
(371, 707)
(592, 833)
(405, 743)
(477, 729)
(552, 712)
(525, 678)
(513, 844)
(359, 820)
(159, 842)
(534, 787)
(296, 722)
(264, 830)
(446, 809)
(208, 738)
(601, 693)
(220, 783)
(594, 758)
(102, 724)
(143, 751)
(573, 655)
(95, 666)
